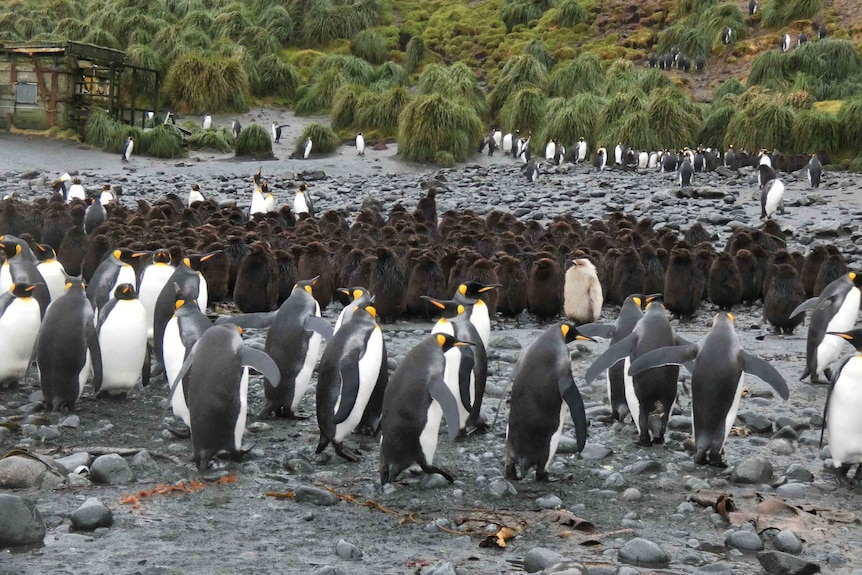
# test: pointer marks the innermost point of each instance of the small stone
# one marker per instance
(752, 470)
(575, 568)
(714, 569)
(434, 481)
(595, 451)
(799, 472)
(315, 495)
(259, 427)
(91, 515)
(501, 488)
(539, 558)
(299, 466)
(21, 472)
(20, 522)
(144, 463)
(756, 422)
(778, 563)
(614, 481)
(347, 550)
(643, 551)
(788, 542)
(645, 466)
(549, 502)
(445, 568)
(72, 422)
(111, 469)
(745, 540)
(685, 508)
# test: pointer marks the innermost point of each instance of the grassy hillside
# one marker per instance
(557, 68)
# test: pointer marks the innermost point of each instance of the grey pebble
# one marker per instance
(778, 563)
(91, 515)
(615, 481)
(144, 464)
(788, 542)
(594, 451)
(639, 550)
(539, 558)
(501, 488)
(752, 470)
(714, 569)
(315, 495)
(744, 539)
(549, 502)
(111, 469)
(347, 550)
(20, 522)
(632, 494)
(445, 568)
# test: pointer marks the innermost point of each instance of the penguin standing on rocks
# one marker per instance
(730, 159)
(360, 144)
(128, 148)
(67, 349)
(20, 267)
(302, 202)
(531, 171)
(601, 159)
(543, 385)
(415, 401)
(351, 368)
(718, 373)
(153, 278)
(277, 131)
(814, 170)
(650, 395)
(235, 128)
(772, 196)
(581, 151)
(685, 173)
(497, 136)
(20, 320)
(51, 270)
(122, 334)
(834, 310)
(507, 143)
(841, 421)
(785, 293)
(293, 342)
(217, 367)
(582, 292)
(471, 295)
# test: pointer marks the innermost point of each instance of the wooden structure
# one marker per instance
(48, 84)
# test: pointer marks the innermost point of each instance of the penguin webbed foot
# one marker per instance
(512, 471)
(181, 431)
(479, 424)
(430, 469)
(345, 452)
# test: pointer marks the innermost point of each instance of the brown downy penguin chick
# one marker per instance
(681, 296)
(749, 276)
(352, 272)
(832, 269)
(216, 271)
(811, 267)
(315, 262)
(513, 280)
(582, 292)
(543, 289)
(256, 288)
(72, 250)
(428, 206)
(425, 279)
(606, 270)
(696, 234)
(724, 283)
(653, 270)
(57, 222)
(704, 255)
(778, 258)
(784, 295)
(482, 271)
(286, 266)
(628, 276)
(98, 247)
(235, 249)
(388, 284)
(773, 229)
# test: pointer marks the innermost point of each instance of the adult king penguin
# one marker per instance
(360, 144)
(306, 150)
(350, 371)
(581, 151)
(834, 310)
(153, 278)
(718, 375)
(650, 395)
(772, 196)
(128, 148)
(685, 173)
(20, 267)
(302, 201)
(542, 387)
(293, 342)
(67, 349)
(20, 319)
(469, 294)
(122, 334)
(841, 421)
(51, 270)
(116, 269)
(217, 367)
(601, 159)
(814, 171)
(415, 401)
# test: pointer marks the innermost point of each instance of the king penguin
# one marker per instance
(415, 401)
(306, 150)
(685, 173)
(360, 144)
(51, 270)
(834, 310)
(718, 375)
(582, 292)
(469, 294)
(772, 195)
(293, 342)
(814, 170)
(357, 298)
(542, 387)
(128, 148)
(153, 278)
(20, 267)
(122, 333)
(67, 349)
(20, 319)
(195, 195)
(601, 159)
(76, 191)
(217, 367)
(841, 421)
(350, 370)
(116, 269)
(302, 202)
(581, 154)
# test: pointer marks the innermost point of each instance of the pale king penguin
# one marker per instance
(122, 333)
(128, 148)
(582, 292)
(507, 143)
(618, 378)
(20, 319)
(352, 366)
(619, 153)
(217, 368)
(834, 310)
(67, 349)
(207, 122)
(51, 270)
(195, 195)
(542, 387)
(466, 371)
(718, 376)
(497, 135)
(258, 200)
(306, 149)
(360, 144)
(153, 278)
(268, 198)
(786, 43)
(293, 342)
(550, 150)
(841, 422)
(302, 201)
(116, 269)
(650, 395)
(20, 267)
(415, 401)
(76, 191)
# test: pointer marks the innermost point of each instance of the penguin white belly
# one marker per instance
(481, 320)
(843, 424)
(844, 319)
(5, 277)
(154, 279)
(507, 143)
(126, 275)
(451, 371)
(582, 151)
(774, 197)
(123, 343)
(54, 276)
(203, 293)
(239, 425)
(299, 204)
(84, 374)
(631, 396)
(304, 375)
(76, 192)
(19, 328)
(369, 370)
(195, 197)
(173, 352)
(555, 438)
(428, 437)
(258, 203)
(731, 414)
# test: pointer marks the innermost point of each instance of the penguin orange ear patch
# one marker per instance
(308, 289)
(852, 276)
(179, 303)
(441, 339)
(730, 315)
(565, 329)
(637, 300)
(371, 309)
(188, 262)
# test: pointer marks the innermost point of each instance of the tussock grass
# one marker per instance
(254, 140)
(389, 75)
(221, 140)
(687, 7)
(729, 87)
(568, 119)
(652, 79)
(765, 121)
(197, 84)
(344, 106)
(770, 69)
(518, 73)
(622, 104)
(714, 127)
(380, 110)
(691, 40)
(524, 110)
(584, 73)
(570, 13)
(317, 98)
(415, 54)
(856, 164)
(369, 45)
(850, 119)
(633, 129)
(536, 49)
(276, 78)
(814, 131)
(323, 139)
(432, 124)
(456, 81)
(326, 20)
(515, 12)
(277, 20)
(162, 142)
(98, 129)
(777, 13)
(672, 118)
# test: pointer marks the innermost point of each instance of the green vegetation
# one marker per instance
(102, 131)
(570, 13)
(766, 120)
(220, 140)
(433, 125)
(814, 130)
(201, 83)
(778, 13)
(369, 45)
(850, 120)
(323, 139)
(254, 141)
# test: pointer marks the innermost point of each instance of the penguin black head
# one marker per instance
(656, 298)
(257, 178)
(723, 315)
(853, 337)
(74, 283)
(264, 187)
(448, 308)
(162, 256)
(856, 279)
(473, 290)
(307, 285)
(10, 247)
(22, 289)
(194, 261)
(570, 333)
(125, 291)
(126, 255)
(447, 342)
(45, 253)
(303, 187)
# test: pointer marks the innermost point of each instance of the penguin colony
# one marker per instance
(151, 271)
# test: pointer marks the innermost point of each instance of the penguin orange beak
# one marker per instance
(584, 338)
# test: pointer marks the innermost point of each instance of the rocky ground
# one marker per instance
(283, 509)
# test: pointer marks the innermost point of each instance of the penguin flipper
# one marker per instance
(613, 354)
(187, 365)
(349, 371)
(256, 320)
(759, 368)
(671, 355)
(95, 355)
(602, 330)
(441, 394)
(145, 368)
(261, 361)
(318, 324)
(807, 305)
(465, 370)
(572, 397)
